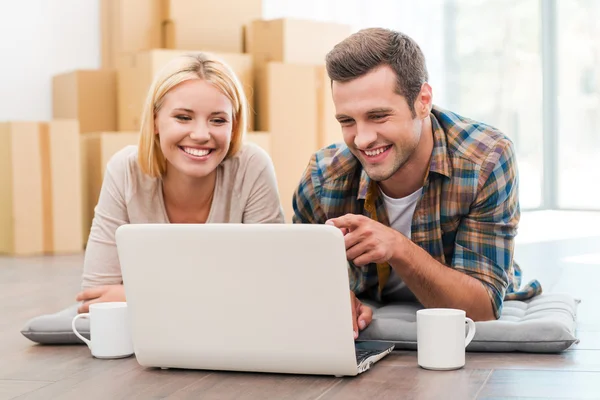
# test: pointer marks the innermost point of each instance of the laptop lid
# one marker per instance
(245, 297)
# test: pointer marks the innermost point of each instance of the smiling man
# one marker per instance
(427, 199)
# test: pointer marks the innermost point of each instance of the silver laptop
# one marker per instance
(242, 297)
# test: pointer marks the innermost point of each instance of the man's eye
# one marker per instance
(378, 116)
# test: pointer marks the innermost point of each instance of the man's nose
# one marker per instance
(365, 136)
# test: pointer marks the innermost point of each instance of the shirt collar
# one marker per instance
(440, 162)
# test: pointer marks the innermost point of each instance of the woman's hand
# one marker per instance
(100, 294)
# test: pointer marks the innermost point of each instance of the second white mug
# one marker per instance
(441, 342)
(110, 334)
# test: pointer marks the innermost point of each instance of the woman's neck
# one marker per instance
(188, 199)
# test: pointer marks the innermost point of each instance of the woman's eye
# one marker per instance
(183, 117)
(219, 121)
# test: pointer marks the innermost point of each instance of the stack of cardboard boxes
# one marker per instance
(51, 172)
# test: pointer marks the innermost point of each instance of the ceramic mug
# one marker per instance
(110, 333)
(441, 342)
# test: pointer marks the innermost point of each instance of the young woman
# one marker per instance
(191, 166)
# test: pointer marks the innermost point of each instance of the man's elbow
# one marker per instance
(482, 308)
(485, 304)
(481, 316)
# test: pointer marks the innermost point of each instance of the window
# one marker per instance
(579, 103)
(493, 62)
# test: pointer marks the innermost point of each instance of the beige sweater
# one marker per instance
(245, 192)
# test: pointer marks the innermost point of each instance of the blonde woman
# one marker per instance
(191, 166)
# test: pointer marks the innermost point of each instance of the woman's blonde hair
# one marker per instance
(186, 67)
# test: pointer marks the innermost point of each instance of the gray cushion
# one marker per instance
(544, 324)
(56, 328)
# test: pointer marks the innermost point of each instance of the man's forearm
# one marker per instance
(436, 285)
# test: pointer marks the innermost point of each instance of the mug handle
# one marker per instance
(86, 341)
(470, 332)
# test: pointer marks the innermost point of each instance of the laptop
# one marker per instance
(242, 297)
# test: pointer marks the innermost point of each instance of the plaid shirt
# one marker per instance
(467, 215)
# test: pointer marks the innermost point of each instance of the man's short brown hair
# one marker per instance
(370, 48)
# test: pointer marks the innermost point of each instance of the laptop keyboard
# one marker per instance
(361, 355)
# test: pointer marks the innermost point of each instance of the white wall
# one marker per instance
(38, 39)
(41, 38)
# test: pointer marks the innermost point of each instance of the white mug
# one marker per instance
(441, 341)
(110, 333)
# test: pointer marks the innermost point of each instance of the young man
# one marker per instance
(427, 199)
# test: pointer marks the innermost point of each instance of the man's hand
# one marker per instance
(361, 314)
(100, 294)
(367, 241)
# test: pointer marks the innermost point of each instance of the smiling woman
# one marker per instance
(191, 166)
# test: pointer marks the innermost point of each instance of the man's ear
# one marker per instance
(424, 101)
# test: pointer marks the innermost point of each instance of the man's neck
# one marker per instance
(410, 177)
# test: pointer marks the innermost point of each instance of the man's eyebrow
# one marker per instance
(340, 116)
(380, 110)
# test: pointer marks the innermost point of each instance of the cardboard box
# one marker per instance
(301, 42)
(136, 72)
(294, 40)
(66, 210)
(129, 26)
(89, 96)
(289, 113)
(97, 149)
(262, 139)
(23, 195)
(329, 129)
(209, 25)
(46, 183)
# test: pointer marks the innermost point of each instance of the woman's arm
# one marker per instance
(263, 205)
(102, 280)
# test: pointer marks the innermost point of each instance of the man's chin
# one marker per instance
(377, 174)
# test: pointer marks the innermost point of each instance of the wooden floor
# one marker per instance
(34, 286)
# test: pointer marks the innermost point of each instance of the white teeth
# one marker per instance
(196, 152)
(375, 152)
